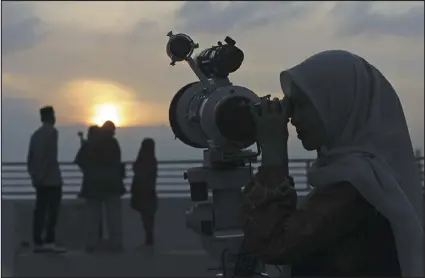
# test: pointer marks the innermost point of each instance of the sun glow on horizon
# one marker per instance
(107, 112)
(98, 101)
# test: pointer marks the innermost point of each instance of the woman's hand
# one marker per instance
(272, 131)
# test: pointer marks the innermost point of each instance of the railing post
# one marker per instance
(419, 161)
(418, 155)
(307, 166)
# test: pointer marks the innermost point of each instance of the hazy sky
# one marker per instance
(76, 55)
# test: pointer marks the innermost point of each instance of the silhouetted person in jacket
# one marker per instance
(112, 188)
(100, 160)
(43, 167)
(85, 160)
(143, 190)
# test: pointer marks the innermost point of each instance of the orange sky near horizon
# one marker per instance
(97, 101)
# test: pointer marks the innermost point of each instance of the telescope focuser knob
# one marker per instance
(230, 41)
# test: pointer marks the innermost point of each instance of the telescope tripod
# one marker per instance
(218, 220)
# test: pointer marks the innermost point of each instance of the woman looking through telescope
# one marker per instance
(364, 215)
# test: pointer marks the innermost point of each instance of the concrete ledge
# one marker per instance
(129, 264)
(8, 238)
(170, 229)
(171, 232)
(178, 250)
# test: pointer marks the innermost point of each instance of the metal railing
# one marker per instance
(16, 183)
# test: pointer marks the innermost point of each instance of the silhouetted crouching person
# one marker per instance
(363, 217)
(43, 168)
(143, 189)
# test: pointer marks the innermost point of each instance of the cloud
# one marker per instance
(125, 46)
(213, 17)
(19, 118)
(107, 17)
(357, 18)
(140, 29)
(20, 28)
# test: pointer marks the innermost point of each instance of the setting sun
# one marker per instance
(106, 112)
(98, 101)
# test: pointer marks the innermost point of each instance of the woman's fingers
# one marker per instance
(265, 105)
(275, 106)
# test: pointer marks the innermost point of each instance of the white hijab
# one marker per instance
(368, 143)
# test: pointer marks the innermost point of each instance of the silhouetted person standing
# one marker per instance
(43, 167)
(109, 184)
(87, 161)
(143, 190)
(99, 158)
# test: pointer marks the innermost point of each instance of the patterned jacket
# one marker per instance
(335, 232)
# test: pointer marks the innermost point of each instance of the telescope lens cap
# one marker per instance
(180, 47)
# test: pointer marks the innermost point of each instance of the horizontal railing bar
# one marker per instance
(129, 176)
(74, 191)
(126, 196)
(190, 161)
(180, 169)
(128, 180)
(66, 163)
(165, 176)
(170, 162)
(297, 182)
(79, 184)
(159, 187)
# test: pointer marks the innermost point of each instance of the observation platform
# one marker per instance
(177, 251)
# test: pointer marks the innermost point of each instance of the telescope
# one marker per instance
(213, 114)
(212, 108)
